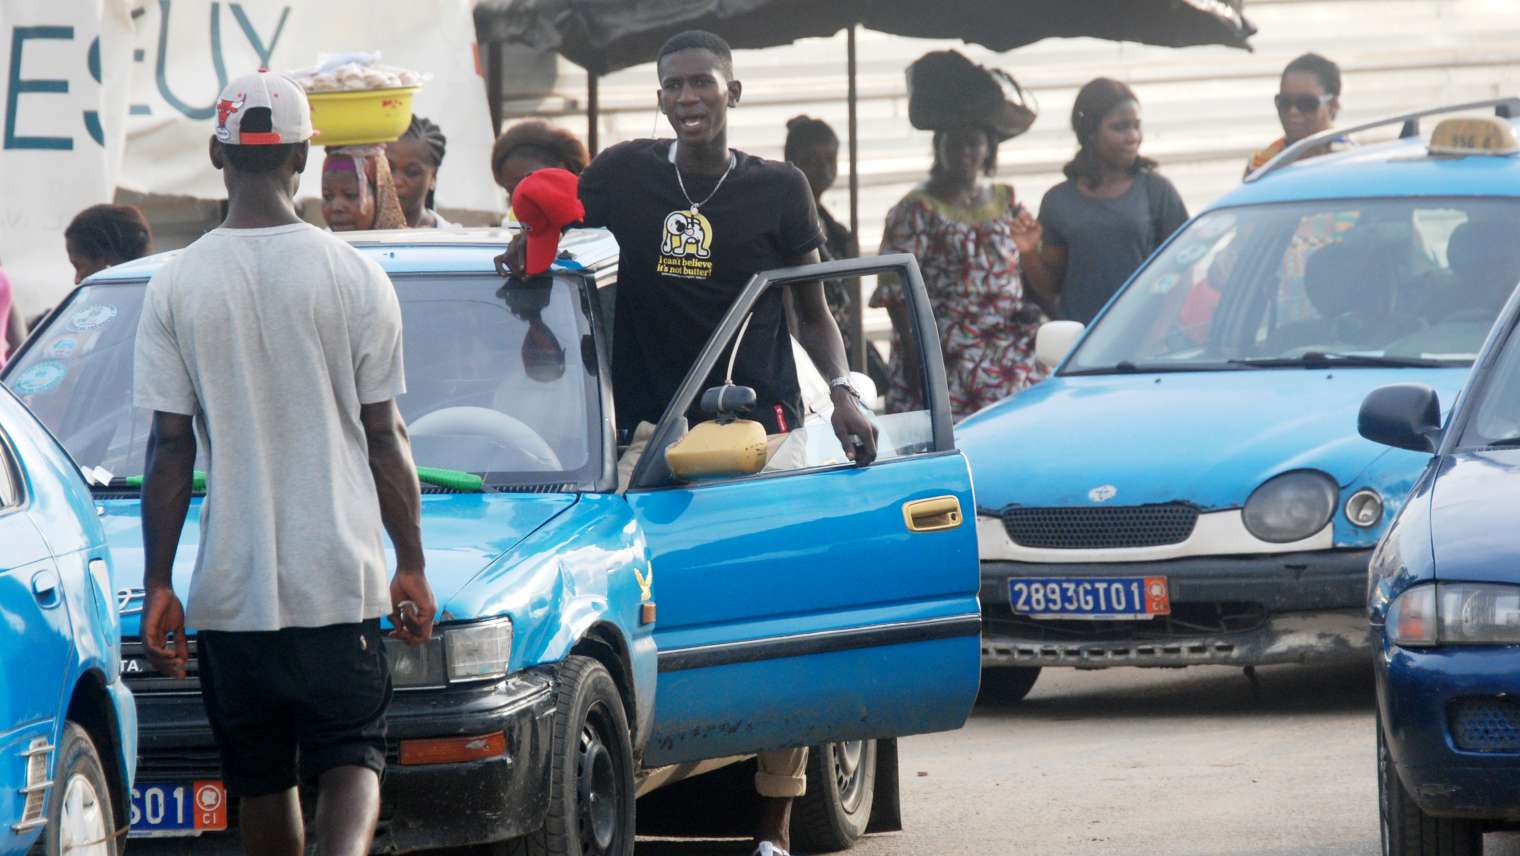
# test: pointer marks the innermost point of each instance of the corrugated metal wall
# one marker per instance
(1205, 109)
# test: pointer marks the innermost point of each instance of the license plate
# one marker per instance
(1102, 598)
(183, 808)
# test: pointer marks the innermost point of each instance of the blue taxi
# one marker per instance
(1189, 487)
(598, 641)
(1444, 601)
(68, 725)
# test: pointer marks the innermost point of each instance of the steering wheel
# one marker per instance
(506, 431)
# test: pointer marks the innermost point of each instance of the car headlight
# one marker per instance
(475, 651)
(1364, 508)
(1456, 614)
(1291, 507)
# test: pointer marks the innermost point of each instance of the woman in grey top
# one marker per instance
(1109, 215)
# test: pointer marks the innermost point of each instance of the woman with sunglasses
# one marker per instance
(1308, 99)
(1112, 211)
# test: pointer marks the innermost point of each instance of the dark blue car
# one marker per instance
(1444, 599)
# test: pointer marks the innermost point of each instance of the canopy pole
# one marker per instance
(593, 111)
(857, 339)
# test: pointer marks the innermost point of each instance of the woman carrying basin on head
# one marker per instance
(968, 235)
(1112, 211)
(358, 191)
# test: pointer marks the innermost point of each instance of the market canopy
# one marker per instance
(603, 36)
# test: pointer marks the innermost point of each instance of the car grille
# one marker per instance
(1078, 528)
(140, 676)
(1485, 725)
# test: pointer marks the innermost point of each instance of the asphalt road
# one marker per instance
(1183, 762)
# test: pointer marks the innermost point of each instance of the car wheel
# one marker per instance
(1007, 684)
(1408, 831)
(591, 779)
(80, 821)
(841, 787)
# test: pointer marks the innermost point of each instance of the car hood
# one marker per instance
(462, 534)
(1209, 438)
(1472, 517)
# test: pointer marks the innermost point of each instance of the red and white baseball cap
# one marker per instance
(545, 202)
(289, 114)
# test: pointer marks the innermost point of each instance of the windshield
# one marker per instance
(1366, 282)
(499, 383)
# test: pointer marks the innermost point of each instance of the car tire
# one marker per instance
(591, 795)
(841, 788)
(1408, 831)
(1007, 684)
(80, 818)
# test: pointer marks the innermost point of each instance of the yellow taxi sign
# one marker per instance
(1481, 135)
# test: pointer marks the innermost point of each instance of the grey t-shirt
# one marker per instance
(272, 338)
(1107, 239)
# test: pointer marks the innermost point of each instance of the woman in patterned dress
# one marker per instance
(968, 235)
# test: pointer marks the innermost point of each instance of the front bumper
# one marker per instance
(422, 806)
(1420, 692)
(1226, 610)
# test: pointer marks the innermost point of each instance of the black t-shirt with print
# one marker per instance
(678, 275)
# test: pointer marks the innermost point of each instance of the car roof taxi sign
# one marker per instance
(1474, 135)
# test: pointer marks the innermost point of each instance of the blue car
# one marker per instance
(597, 641)
(68, 725)
(1444, 601)
(1188, 487)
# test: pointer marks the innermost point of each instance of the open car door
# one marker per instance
(813, 600)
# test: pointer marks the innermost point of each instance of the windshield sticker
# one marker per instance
(92, 317)
(1165, 283)
(63, 348)
(1214, 226)
(1191, 253)
(42, 377)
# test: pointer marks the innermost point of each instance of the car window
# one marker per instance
(1496, 414)
(900, 415)
(10, 490)
(1396, 278)
(501, 381)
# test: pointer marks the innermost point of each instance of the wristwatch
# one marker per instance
(844, 381)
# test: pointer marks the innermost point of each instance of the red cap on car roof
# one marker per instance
(545, 202)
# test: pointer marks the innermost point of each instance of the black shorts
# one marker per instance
(317, 694)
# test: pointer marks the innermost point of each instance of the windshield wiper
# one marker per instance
(1322, 359)
(1505, 443)
(1127, 367)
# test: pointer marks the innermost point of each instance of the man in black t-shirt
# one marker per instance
(694, 220)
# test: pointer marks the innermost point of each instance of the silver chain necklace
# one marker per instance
(696, 206)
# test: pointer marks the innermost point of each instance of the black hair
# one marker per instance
(258, 159)
(703, 40)
(1094, 102)
(110, 233)
(989, 164)
(1328, 72)
(804, 131)
(427, 132)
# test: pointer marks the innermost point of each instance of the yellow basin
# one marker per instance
(361, 117)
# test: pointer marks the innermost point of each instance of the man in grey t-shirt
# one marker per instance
(276, 348)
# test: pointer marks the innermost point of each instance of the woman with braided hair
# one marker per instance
(105, 235)
(414, 161)
(358, 191)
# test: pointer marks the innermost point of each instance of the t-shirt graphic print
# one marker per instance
(686, 246)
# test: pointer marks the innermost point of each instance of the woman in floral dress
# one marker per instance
(968, 235)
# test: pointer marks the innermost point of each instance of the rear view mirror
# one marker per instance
(1402, 415)
(1054, 341)
(726, 447)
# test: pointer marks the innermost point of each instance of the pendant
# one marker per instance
(694, 207)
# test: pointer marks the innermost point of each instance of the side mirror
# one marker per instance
(727, 446)
(1402, 415)
(1054, 341)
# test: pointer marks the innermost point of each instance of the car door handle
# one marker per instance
(45, 587)
(932, 515)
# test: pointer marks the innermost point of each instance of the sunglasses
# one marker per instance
(1301, 103)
